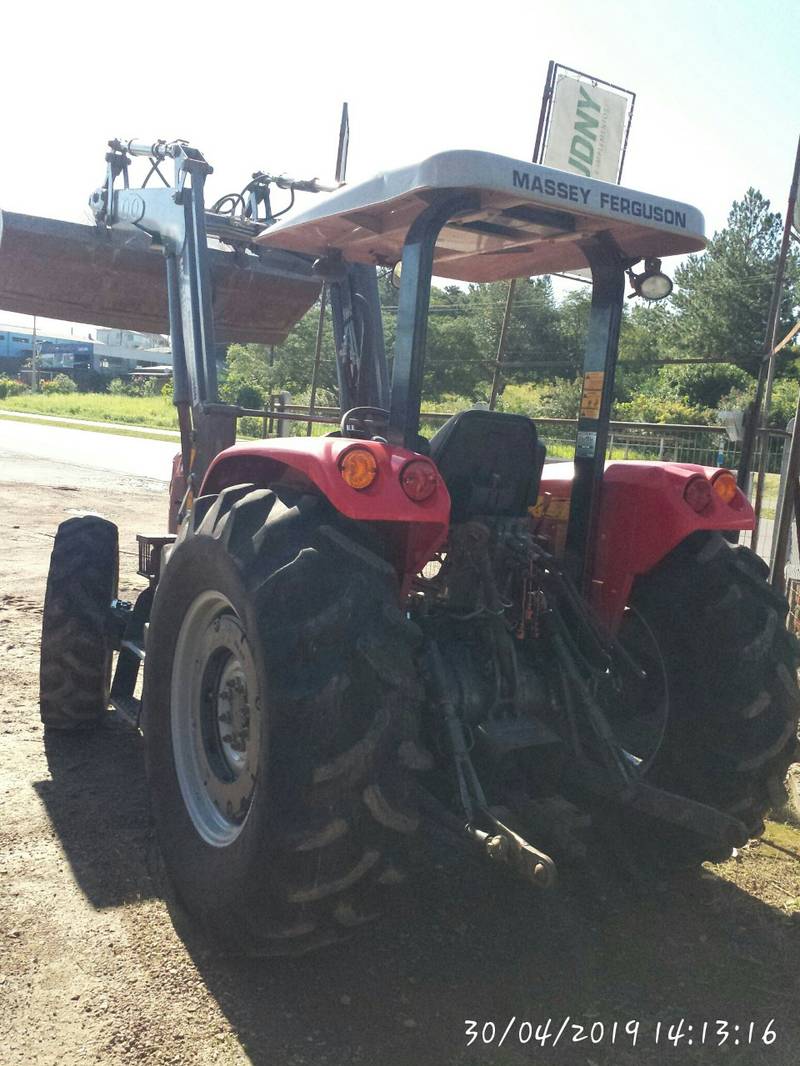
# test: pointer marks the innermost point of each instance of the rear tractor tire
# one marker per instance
(731, 669)
(77, 647)
(279, 720)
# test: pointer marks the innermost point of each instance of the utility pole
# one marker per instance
(34, 367)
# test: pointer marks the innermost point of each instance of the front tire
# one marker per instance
(731, 676)
(279, 703)
(77, 647)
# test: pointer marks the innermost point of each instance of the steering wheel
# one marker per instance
(364, 422)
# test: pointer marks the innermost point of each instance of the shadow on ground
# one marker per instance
(97, 802)
(467, 944)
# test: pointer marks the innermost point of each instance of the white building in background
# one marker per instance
(108, 351)
(120, 351)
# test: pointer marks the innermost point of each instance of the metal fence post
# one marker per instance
(284, 398)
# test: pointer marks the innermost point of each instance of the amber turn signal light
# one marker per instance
(724, 485)
(358, 468)
(419, 479)
(698, 494)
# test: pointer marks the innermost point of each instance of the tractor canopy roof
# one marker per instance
(529, 219)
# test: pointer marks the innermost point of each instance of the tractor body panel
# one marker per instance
(643, 517)
(643, 512)
(313, 463)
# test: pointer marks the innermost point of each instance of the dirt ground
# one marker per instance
(95, 968)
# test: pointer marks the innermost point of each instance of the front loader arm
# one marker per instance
(175, 220)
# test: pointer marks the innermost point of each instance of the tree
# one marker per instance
(701, 385)
(253, 371)
(723, 295)
(534, 344)
(573, 322)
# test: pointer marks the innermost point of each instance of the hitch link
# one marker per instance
(508, 847)
(504, 845)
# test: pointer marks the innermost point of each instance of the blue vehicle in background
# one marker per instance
(16, 345)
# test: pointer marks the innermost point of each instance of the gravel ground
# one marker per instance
(95, 966)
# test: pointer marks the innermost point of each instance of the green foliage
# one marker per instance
(718, 310)
(60, 384)
(784, 402)
(648, 408)
(119, 387)
(723, 294)
(454, 361)
(782, 406)
(140, 387)
(699, 384)
(558, 398)
(10, 387)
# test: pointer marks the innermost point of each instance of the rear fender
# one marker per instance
(414, 530)
(643, 517)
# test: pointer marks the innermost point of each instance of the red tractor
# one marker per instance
(351, 635)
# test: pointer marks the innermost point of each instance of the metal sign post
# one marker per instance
(584, 129)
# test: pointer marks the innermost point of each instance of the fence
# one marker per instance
(707, 445)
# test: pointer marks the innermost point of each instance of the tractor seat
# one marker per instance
(491, 463)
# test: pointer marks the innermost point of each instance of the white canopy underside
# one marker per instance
(530, 220)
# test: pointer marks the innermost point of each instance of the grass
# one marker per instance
(155, 412)
(112, 430)
(769, 501)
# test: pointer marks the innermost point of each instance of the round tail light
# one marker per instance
(419, 479)
(358, 468)
(724, 484)
(698, 493)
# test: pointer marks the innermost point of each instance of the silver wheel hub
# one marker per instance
(215, 718)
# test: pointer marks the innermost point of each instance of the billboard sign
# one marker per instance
(587, 129)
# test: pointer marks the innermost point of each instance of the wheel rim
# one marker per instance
(215, 718)
(638, 711)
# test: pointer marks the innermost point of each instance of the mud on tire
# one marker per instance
(323, 834)
(76, 649)
(733, 695)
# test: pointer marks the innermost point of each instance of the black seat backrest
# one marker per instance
(490, 462)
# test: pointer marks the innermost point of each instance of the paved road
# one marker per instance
(50, 455)
(33, 416)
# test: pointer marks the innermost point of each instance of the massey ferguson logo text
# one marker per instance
(575, 193)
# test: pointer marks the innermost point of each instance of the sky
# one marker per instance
(260, 86)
